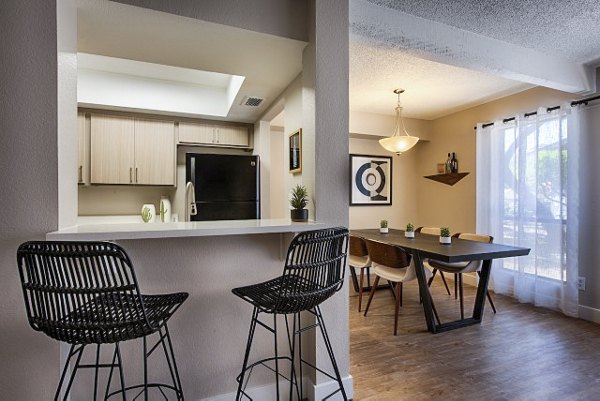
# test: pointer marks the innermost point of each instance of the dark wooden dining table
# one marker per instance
(428, 246)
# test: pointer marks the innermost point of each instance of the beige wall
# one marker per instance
(454, 206)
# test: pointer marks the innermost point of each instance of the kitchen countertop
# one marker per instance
(126, 231)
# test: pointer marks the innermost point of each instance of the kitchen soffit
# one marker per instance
(268, 62)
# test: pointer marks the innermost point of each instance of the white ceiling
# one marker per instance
(432, 89)
(451, 55)
(268, 62)
(566, 28)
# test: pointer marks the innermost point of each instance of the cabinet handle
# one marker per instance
(218, 133)
(80, 173)
(136, 175)
(130, 171)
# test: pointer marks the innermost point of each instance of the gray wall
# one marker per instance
(28, 178)
(286, 18)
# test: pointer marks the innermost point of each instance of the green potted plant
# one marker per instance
(445, 236)
(298, 201)
(410, 231)
(383, 226)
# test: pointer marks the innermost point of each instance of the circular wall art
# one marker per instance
(370, 180)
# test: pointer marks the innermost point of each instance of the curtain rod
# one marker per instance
(549, 109)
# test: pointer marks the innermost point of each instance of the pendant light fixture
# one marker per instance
(401, 141)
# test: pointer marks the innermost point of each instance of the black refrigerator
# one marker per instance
(226, 187)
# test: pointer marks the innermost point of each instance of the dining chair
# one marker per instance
(434, 231)
(459, 268)
(359, 259)
(393, 264)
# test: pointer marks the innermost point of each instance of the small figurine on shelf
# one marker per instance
(410, 231)
(383, 226)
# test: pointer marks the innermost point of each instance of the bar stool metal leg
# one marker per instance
(321, 324)
(242, 375)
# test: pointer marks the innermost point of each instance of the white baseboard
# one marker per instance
(589, 313)
(322, 390)
(311, 391)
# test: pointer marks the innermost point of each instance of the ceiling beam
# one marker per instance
(393, 29)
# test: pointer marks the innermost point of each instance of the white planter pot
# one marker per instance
(383, 230)
(409, 234)
(445, 240)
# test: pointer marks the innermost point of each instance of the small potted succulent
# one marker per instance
(445, 236)
(298, 201)
(383, 226)
(410, 231)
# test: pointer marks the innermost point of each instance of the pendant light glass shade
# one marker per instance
(401, 141)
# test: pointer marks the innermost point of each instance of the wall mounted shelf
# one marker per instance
(448, 179)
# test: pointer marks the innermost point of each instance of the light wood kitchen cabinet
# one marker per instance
(232, 136)
(154, 152)
(112, 141)
(127, 150)
(196, 133)
(83, 147)
(214, 135)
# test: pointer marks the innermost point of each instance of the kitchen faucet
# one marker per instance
(190, 204)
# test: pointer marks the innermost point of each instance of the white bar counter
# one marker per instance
(128, 231)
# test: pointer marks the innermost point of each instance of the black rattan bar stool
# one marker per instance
(86, 293)
(313, 272)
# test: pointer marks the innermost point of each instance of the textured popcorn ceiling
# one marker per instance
(567, 28)
(432, 89)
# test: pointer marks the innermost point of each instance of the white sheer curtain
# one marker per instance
(528, 195)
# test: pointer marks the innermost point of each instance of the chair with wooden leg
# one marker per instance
(359, 259)
(393, 264)
(460, 268)
(434, 231)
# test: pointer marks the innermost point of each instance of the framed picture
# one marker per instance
(370, 180)
(296, 152)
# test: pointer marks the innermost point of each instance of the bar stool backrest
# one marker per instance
(358, 246)
(80, 292)
(314, 269)
(388, 255)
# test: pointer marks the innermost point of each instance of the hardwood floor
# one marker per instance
(521, 353)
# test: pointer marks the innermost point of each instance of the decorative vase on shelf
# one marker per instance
(148, 213)
(164, 209)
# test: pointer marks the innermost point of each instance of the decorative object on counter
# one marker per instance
(164, 209)
(448, 179)
(296, 152)
(410, 231)
(448, 166)
(454, 164)
(370, 180)
(441, 168)
(383, 226)
(400, 141)
(445, 236)
(298, 201)
(148, 213)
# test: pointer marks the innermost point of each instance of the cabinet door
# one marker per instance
(83, 167)
(232, 136)
(154, 152)
(196, 133)
(111, 149)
